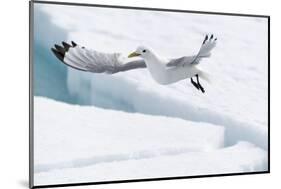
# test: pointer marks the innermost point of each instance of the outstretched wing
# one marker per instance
(205, 51)
(89, 60)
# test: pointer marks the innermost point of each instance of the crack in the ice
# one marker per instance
(83, 162)
(151, 103)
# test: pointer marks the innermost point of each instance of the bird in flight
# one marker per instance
(163, 71)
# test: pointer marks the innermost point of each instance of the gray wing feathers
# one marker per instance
(205, 51)
(132, 65)
(182, 61)
(74, 58)
(93, 61)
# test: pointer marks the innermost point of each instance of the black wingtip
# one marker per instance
(59, 55)
(73, 44)
(60, 49)
(211, 36)
(57, 47)
(206, 38)
(66, 46)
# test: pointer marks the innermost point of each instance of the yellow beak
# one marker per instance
(133, 54)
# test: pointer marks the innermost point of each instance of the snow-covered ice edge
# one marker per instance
(145, 146)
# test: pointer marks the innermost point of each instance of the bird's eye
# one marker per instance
(144, 51)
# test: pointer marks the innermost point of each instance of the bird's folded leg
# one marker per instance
(194, 84)
(201, 88)
(199, 85)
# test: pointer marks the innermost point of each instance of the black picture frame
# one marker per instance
(31, 110)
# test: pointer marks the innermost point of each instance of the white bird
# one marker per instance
(163, 71)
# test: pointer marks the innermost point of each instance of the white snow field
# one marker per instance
(86, 144)
(126, 126)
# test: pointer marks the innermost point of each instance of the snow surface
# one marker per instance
(221, 131)
(85, 146)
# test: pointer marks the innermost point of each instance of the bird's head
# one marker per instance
(141, 51)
